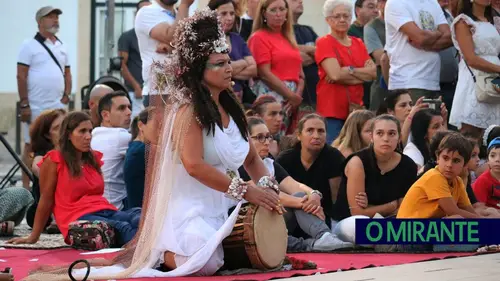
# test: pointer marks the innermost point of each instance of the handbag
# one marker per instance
(352, 105)
(486, 91)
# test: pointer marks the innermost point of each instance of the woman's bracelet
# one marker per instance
(237, 189)
(270, 182)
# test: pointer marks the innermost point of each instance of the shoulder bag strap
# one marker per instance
(346, 88)
(470, 70)
(40, 39)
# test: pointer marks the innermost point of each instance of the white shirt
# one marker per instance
(411, 67)
(414, 153)
(45, 78)
(113, 144)
(147, 18)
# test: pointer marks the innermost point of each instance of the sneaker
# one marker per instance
(330, 242)
(91, 235)
(7, 228)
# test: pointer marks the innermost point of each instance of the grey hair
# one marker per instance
(330, 5)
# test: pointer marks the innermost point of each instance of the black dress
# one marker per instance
(380, 188)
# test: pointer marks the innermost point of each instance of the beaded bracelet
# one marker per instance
(237, 189)
(270, 182)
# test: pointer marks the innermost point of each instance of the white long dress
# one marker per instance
(466, 109)
(197, 219)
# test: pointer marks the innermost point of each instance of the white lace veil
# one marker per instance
(172, 113)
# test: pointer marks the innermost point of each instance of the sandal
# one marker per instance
(489, 249)
(52, 229)
(91, 235)
(6, 275)
(7, 228)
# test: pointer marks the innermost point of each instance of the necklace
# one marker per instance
(386, 170)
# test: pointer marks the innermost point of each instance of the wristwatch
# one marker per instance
(318, 193)
(351, 70)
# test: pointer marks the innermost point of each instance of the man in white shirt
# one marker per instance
(155, 26)
(112, 139)
(416, 31)
(43, 74)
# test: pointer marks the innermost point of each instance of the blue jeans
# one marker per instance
(125, 223)
(333, 127)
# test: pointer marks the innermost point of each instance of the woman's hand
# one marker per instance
(444, 110)
(419, 105)
(310, 202)
(362, 200)
(23, 240)
(264, 197)
(295, 100)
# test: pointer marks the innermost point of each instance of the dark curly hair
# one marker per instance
(206, 110)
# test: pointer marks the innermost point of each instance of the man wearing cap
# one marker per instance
(155, 26)
(43, 73)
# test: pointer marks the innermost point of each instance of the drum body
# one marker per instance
(258, 240)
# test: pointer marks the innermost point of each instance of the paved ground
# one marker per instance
(484, 268)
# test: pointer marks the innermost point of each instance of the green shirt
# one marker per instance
(356, 31)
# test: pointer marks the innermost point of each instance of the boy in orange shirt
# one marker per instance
(440, 192)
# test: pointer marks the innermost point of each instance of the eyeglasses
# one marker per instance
(340, 16)
(262, 138)
(275, 11)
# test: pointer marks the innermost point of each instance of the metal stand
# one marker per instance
(8, 179)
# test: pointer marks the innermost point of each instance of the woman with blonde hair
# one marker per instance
(276, 52)
(356, 133)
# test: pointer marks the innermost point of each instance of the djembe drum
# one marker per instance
(258, 240)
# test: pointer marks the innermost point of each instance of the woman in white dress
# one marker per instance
(192, 174)
(478, 42)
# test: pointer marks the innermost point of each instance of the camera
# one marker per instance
(433, 104)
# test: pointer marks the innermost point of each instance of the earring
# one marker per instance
(265, 20)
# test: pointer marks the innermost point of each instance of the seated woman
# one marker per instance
(44, 134)
(315, 163)
(344, 65)
(424, 126)
(440, 192)
(14, 201)
(244, 66)
(356, 133)
(143, 130)
(304, 217)
(277, 54)
(72, 186)
(271, 111)
(379, 174)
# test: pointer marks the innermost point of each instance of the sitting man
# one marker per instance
(96, 94)
(112, 138)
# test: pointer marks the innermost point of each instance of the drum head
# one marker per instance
(271, 237)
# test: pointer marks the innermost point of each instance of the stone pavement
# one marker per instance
(483, 268)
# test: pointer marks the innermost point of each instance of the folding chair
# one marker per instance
(9, 178)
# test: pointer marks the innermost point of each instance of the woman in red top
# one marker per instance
(344, 65)
(276, 52)
(72, 186)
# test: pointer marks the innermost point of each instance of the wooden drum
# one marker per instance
(258, 240)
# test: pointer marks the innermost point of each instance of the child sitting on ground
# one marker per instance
(487, 186)
(440, 192)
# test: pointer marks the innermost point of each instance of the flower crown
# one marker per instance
(185, 44)
(166, 74)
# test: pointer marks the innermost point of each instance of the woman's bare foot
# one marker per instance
(6, 277)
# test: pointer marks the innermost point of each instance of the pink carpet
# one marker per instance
(22, 261)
